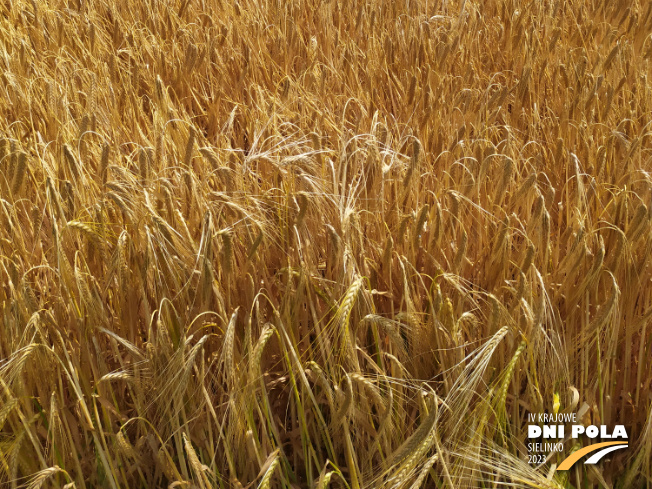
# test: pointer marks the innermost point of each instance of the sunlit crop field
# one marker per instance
(334, 244)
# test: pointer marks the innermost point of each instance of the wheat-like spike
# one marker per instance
(424, 472)
(30, 297)
(37, 481)
(228, 349)
(73, 165)
(191, 57)
(190, 147)
(343, 316)
(123, 204)
(6, 408)
(529, 257)
(68, 195)
(545, 235)
(189, 184)
(160, 91)
(255, 245)
(144, 163)
(125, 447)
(537, 208)
(37, 221)
(123, 268)
(402, 228)
(508, 167)
(414, 160)
(341, 415)
(212, 158)
(126, 376)
(104, 162)
(455, 203)
(85, 295)
(391, 328)
(418, 442)
(520, 289)
(438, 227)
(83, 127)
(610, 57)
(167, 465)
(421, 220)
(85, 228)
(19, 174)
(501, 393)
(163, 227)
(324, 383)
(324, 479)
(525, 187)
(266, 481)
(303, 208)
(227, 251)
(255, 362)
(372, 389)
(638, 224)
(4, 148)
(196, 465)
(461, 252)
(13, 155)
(55, 427)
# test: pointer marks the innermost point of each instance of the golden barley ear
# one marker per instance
(104, 162)
(19, 174)
(71, 160)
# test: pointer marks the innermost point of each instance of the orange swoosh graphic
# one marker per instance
(570, 460)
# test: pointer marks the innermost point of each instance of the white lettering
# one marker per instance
(577, 430)
(533, 431)
(592, 431)
(619, 431)
(549, 431)
(603, 432)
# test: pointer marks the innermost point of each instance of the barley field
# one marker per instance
(322, 244)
